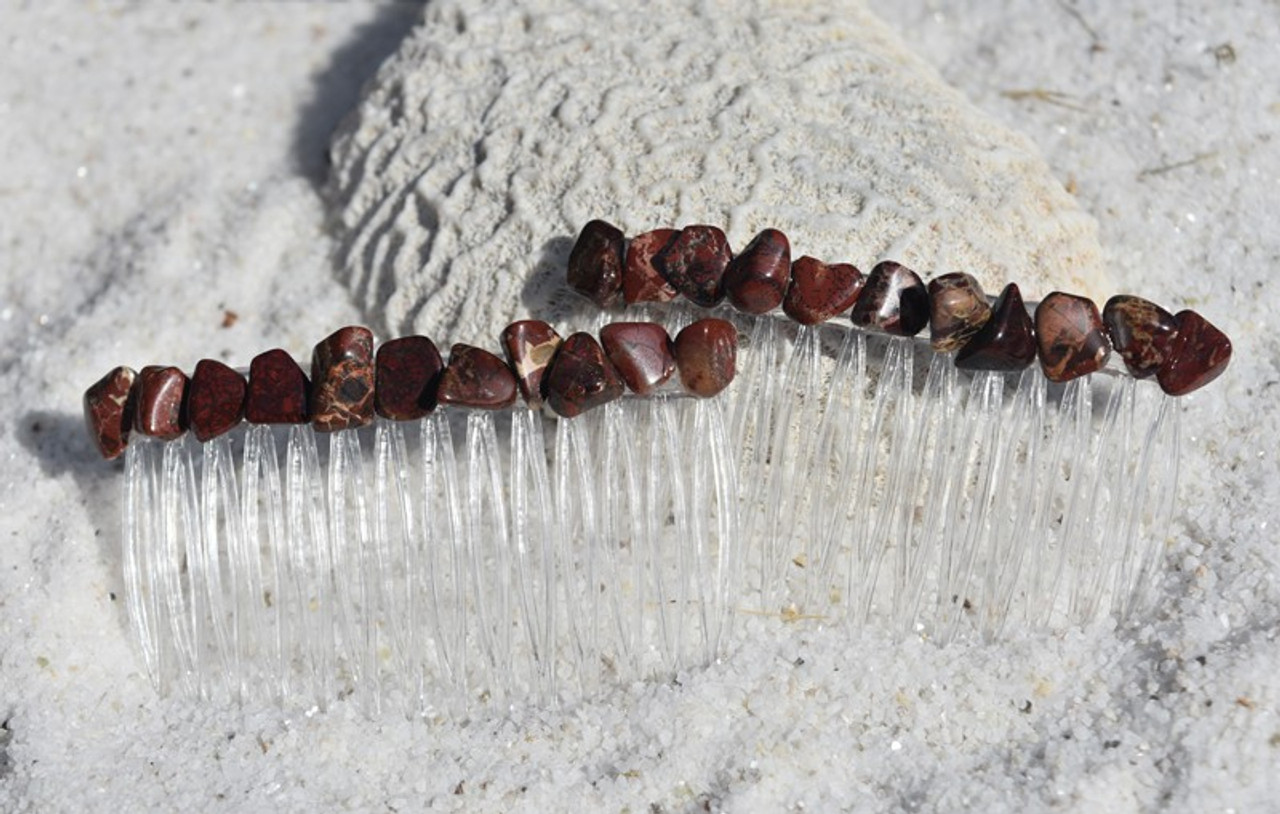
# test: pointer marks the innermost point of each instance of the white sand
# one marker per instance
(159, 171)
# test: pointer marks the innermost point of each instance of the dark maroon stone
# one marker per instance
(820, 291)
(1006, 341)
(1196, 356)
(595, 264)
(108, 411)
(342, 380)
(756, 280)
(1071, 337)
(476, 378)
(277, 390)
(406, 375)
(958, 309)
(1140, 332)
(706, 354)
(641, 351)
(893, 301)
(530, 345)
(694, 263)
(580, 377)
(158, 409)
(641, 281)
(215, 399)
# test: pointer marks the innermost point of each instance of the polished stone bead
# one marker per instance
(756, 280)
(158, 408)
(595, 263)
(580, 377)
(893, 301)
(108, 411)
(475, 377)
(641, 351)
(694, 263)
(641, 280)
(958, 309)
(215, 399)
(277, 390)
(1197, 355)
(530, 345)
(1140, 332)
(342, 380)
(1070, 336)
(706, 354)
(406, 375)
(820, 291)
(1006, 341)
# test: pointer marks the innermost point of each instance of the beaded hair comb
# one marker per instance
(1034, 494)
(436, 573)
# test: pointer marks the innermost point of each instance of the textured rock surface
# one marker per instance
(467, 170)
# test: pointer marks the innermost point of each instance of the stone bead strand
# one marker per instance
(1065, 332)
(408, 378)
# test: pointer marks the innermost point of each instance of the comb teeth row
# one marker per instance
(469, 559)
(882, 486)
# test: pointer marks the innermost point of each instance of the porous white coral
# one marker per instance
(497, 131)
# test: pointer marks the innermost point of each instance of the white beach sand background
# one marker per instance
(160, 202)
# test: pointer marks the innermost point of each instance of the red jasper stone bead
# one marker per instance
(108, 411)
(1071, 337)
(277, 390)
(406, 375)
(820, 291)
(641, 280)
(342, 380)
(158, 410)
(1140, 332)
(694, 263)
(580, 377)
(706, 354)
(595, 263)
(641, 351)
(476, 378)
(530, 345)
(958, 310)
(1006, 341)
(756, 280)
(215, 399)
(893, 301)
(1196, 356)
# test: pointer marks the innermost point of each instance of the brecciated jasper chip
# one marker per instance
(694, 263)
(342, 380)
(529, 345)
(215, 399)
(595, 263)
(1006, 341)
(706, 354)
(580, 377)
(108, 411)
(893, 301)
(476, 378)
(1070, 336)
(158, 410)
(819, 291)
(641, 280)
(641, 351)
(756, 280)
(958, 310)
(277, 390)
(1140, 332)
(1197, 355)
(406, 374)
